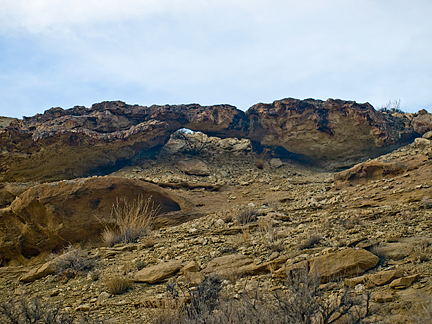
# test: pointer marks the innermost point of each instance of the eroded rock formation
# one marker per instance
(52, 215)
(65, 144)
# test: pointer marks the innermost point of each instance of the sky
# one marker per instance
(57, 53)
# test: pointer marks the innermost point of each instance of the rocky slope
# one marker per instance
(65, 144)
(368, 228)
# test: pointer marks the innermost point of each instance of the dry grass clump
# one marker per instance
(247, 215)
(270, 234)
(309, 242)
(131, 220)
(118, 285)
(72, 262)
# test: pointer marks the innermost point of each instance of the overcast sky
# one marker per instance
(240, 52)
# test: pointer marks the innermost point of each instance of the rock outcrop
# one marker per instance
(65, 144)
(48, 216)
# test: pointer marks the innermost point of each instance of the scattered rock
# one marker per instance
(158, 273)
(383, 297)
(276, 163)
(39, 272)
(194, 167)
(385, 277)
(344, 263)
(404, 282)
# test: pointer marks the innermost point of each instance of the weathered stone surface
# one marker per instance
(292, 269)
(352, 282)
(190, 267)
(344, 263)
(51, 215)
(404, 282)
(38, 272)
(385, 277)
(378, 169)
(383, 296)
(233, 265)
(158, 273)
(422, 122)
(276, 163)
(334, 131)
(194, 167)
(65, 144)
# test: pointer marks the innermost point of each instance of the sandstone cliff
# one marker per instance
(65, 144)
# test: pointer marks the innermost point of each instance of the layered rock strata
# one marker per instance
(77, 142)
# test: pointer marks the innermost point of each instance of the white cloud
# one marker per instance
(219, 51)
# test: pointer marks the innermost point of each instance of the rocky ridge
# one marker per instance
(65, 144)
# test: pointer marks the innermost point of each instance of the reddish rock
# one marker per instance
(77, 142)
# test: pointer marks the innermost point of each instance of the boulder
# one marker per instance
(49, 216)
(385, 277)
(404, 282)
(292, 269)
(231, 265)
(377, 169)
(38, 272)
(382, 297)
(193, 167)
(341, 264)
(159, 272)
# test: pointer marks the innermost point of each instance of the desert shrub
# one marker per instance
(380, 253)
(247, 215)
(260, 164)
(309, 242)
(421, 251)
(191, 305)
(427, 203)
(140, 264)
(118, 285)
(72, 262)
(131, 221)
(302, 302)
(392, 107)
(32, 310)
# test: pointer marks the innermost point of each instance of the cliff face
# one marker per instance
(65, 144)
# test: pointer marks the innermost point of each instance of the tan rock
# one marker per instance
(39, 272)
(51, 215)
(194, 167)
(233, 265)
(404, 282)
(159, 272)
(190, 267)
(292, 269)
(383, 297)
(344, 263)
(385, 277)
(352, 282)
